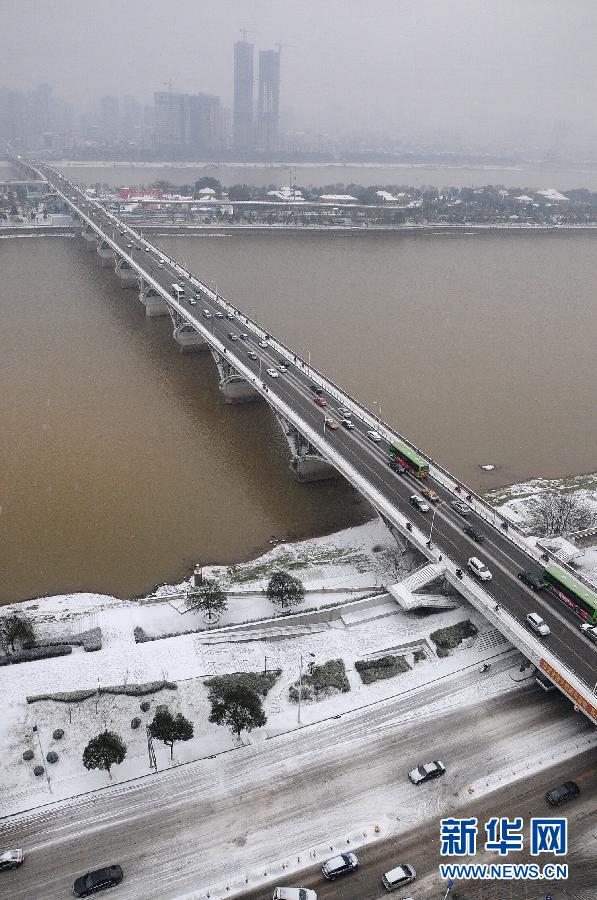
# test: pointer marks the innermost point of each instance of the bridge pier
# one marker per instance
(187, 338)
(126, 273)
(154, 303)
(90, 239)
(306, 463)
(234, 387)
(105, 253)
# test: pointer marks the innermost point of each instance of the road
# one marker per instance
(216, 820)
(504, 559)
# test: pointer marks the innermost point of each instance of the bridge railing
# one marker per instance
(480, 506)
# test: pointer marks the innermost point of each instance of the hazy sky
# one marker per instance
(476, 67)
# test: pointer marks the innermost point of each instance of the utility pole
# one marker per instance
(153, 763)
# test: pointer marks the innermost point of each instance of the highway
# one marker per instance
(368, 459)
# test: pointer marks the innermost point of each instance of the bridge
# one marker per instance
(254, 364)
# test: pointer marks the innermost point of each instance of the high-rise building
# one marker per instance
(109, 119)
(268, 111)
(171, 120)
(204, 124)
(242, 117)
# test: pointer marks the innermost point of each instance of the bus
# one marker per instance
(177, 292)
(573, 593)
(412, 462)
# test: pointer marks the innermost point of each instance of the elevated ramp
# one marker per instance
(405, 592)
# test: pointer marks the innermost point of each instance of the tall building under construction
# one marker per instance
(243, 135)
(268, 109)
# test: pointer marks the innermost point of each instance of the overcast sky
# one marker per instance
(476, 67)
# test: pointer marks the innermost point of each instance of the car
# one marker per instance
(160, 266)
(536, 623)
(316, 390)
(461, 508)
(427, 772)
(430, 494)
(331, 423)
(339, 865)
(535, 582)
(282, 368)
(348, 424)
(398, 877)
(244, 336)
(321, 401)
(589, 631)
(147, 249)
(252, 355)
(97, 881)
(562, 793)
(473, 533)
(263, 344)
(11, 859)
(344, 412)
(374, 436)
(192, 301)
(396, 467)
(129, 246)
(219, 315)
(479, 569)
(419, 503)
(230, 317)
(294, 893)
(233, 336)
(272, 373)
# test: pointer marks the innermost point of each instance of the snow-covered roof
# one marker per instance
(524, 198)
(385, 195)
(286, 193)
(552, 194)
(205, 191)
(337, 198)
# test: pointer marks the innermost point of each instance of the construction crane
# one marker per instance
(245, 32)
(279, 45)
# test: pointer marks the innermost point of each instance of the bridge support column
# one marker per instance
(105, 253)
(306, 462)
(90, 239)
(234, 387)
(154, 304)
(126, 273)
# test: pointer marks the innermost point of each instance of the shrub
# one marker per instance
(321, 681)
(58, 734)
(135, 722)
(35, 653)
(38, 770)
(446, 639)
(258, 682)
(126, 690)
(141, 635)
(28, 755)
(90, 640)
(145, 705)
(419, 655)
(52, 756)
(372, 670)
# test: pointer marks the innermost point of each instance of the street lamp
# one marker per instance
(435, 509)
(300, 693)
(36, 730)
(378, 404)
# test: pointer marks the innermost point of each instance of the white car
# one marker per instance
(374, 436)
(479, 569)
(589, 631)
(536, 623)
(272, 373)
(263, 344)
(294, 893)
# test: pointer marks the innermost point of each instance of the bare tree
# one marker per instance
(555, 513)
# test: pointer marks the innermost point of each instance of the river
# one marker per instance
(122, 466)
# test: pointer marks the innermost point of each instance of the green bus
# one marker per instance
(573, 593)
(402, 455)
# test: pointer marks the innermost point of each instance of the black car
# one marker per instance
(316, 390)
(562, 793)
(396, 467)
(531, 580)
(340, 865)
(97, 881)
(474, 534)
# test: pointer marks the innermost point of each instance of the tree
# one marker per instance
(209, 598)
(104, 751)
(169, 729)
(208, 182)
(238, 707)
(285, 590)
(554, 513)
(15, 628)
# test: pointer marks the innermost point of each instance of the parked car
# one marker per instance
(272, 373)
(321, 401)
(536, 623)
(331, 423)
(294, 893)
(419, 503)
(535, 582)
(374, 436)
(95, 881)
(461, 508)
(347, 424)
(340, 865)
(479, 569)
(427, 772)
(398, 877)
(562, 793)
(589, 631)
(473, 533)
(11, 859)
(430, 494)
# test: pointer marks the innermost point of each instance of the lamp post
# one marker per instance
(378, 404)
(300, 692)
(36, 730)
(432, 522)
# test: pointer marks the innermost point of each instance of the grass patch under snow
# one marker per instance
(383, 667)
(446, 639)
